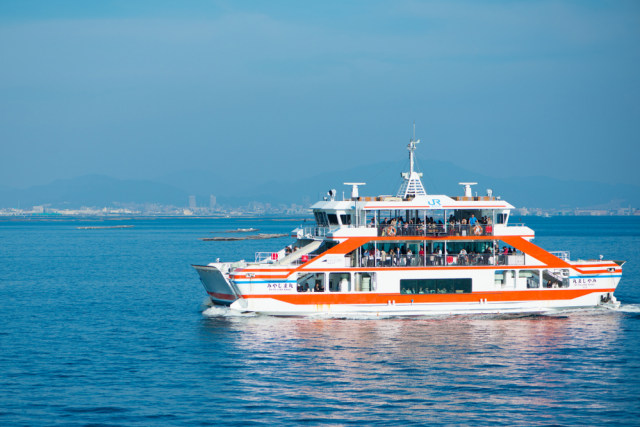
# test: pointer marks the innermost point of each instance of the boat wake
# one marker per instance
(626, 308)
(220, 311)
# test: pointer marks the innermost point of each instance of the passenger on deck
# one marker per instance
(393, 257)
(462, 258)
(473, 220)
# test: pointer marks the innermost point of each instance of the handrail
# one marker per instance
(563, 255)
(311, 232)
(388, 230)
(265, 257)
(443, 260)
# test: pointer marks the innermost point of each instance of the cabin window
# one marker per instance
(435, 286)
(313, 282)
(345, 219)
(558, 278)
(505, 278)
(333, 219)
(501, 218)
(529, 277)
(339, 282)
(364, 282)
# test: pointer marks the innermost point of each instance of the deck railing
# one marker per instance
(563, 255)
(313, 232)
(443, 260)
(435, 230)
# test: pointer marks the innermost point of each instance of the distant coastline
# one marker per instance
(307, 216)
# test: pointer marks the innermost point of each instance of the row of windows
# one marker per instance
(435, 286)
(324, 219)
(337, 282)
(366, 282)
(558, 278)
(434, 253)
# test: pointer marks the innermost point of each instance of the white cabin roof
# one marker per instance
(433, 202)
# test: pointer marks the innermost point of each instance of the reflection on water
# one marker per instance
(449, 369)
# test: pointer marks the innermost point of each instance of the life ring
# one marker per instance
(477, 230)
(390, 231)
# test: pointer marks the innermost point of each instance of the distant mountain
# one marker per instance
(380, 178)
(93, 190)
(438, 178)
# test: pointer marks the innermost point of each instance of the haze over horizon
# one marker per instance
(284, 90)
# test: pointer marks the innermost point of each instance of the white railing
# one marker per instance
(441, 260)
(563, 255)
(310, 232)
(266, 257)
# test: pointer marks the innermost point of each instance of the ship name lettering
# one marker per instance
(280, 286)
(584, 281)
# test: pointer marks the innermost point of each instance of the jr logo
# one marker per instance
(434, 202)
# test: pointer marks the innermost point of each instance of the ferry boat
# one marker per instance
(408, 254)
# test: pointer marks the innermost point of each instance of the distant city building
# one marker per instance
(212, 202)
(192, 202)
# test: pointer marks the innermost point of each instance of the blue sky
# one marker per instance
(268, 89)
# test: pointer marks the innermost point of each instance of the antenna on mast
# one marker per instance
(412, 186)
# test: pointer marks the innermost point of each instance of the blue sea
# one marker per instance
(106, 327)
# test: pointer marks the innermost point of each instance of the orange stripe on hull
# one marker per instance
(490, 296)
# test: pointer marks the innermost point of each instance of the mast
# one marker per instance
(412, 185)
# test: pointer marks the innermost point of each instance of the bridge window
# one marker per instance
(333, 219)
(321, 219)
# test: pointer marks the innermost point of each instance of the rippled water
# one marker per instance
(105, 327)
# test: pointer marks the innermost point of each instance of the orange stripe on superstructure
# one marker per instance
(348, 245)
(535, 251)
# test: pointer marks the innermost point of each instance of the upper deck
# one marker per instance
(429, 215)
(413, 212)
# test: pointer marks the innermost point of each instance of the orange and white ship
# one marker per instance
(411, 254)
